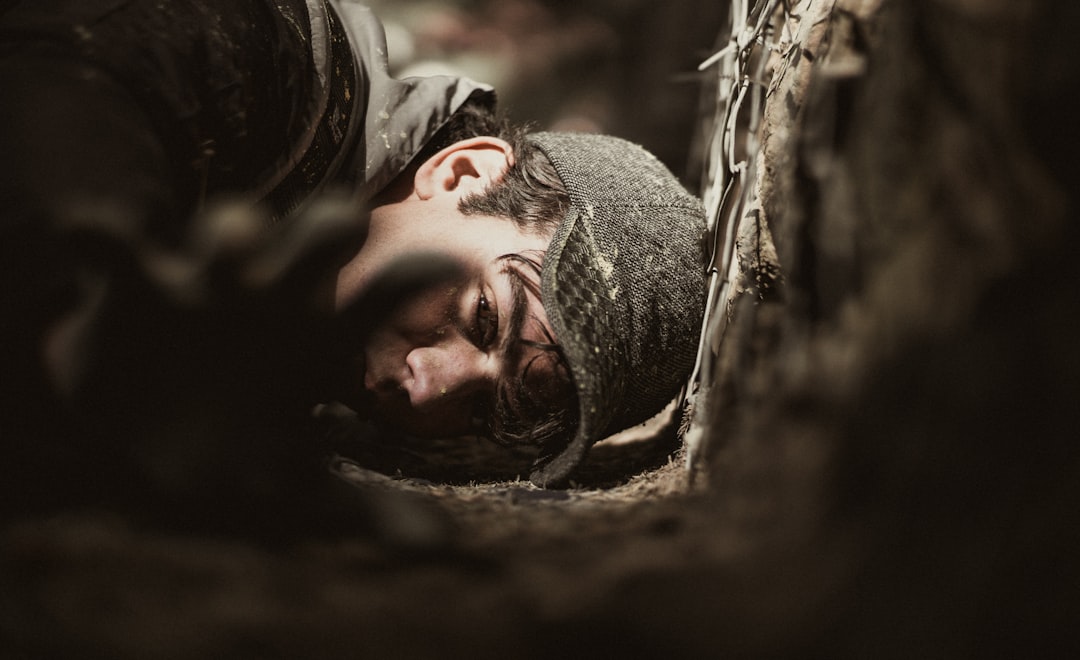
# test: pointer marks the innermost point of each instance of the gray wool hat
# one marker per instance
(623, 284)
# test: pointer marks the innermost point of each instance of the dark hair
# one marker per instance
(530, 192)
(532, 195)
(474, 118)
(518, 416)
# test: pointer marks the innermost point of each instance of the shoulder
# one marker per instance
(402, 115)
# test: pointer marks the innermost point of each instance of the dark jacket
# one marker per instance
(158, 106)
(135, 113)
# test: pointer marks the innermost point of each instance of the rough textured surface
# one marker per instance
(894, 471)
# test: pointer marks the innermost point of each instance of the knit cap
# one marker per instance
(623, 284)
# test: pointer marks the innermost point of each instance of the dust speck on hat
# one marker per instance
(623, 284)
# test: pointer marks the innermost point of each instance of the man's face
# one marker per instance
(433, 368)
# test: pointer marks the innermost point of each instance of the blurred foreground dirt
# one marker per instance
(893, 468)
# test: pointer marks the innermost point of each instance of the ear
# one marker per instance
(463, 168)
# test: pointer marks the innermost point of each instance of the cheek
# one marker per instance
(423, 321)
(427, 317)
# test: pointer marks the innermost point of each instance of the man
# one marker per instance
(542, 288)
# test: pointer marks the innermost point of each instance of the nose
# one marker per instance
(446, 372)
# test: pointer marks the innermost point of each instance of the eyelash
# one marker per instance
(487, 322)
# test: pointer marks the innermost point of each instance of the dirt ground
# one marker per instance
(783, 555)
(892, 469)
(449, 571)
